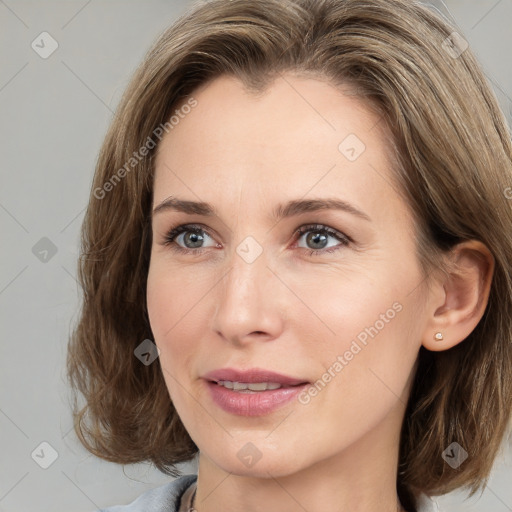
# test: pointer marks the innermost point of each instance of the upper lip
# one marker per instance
(252, 375)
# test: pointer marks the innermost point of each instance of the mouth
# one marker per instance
(253, 379)
(253, 392)
(251, 387)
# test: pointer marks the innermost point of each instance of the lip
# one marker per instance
(252, 375)
(257, 403)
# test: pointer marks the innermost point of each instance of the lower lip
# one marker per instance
(257, 403)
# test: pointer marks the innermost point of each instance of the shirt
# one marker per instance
(177, 495)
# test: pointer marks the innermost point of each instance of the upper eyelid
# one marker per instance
(322, 227)
(183, 228)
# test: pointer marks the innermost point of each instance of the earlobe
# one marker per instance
(458, 300)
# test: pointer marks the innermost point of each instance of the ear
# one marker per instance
(457, 301)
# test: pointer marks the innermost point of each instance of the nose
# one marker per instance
(249, 302)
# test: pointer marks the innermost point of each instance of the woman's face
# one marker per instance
(336, 310)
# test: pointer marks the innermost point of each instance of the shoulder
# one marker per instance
(165, 498)
(427, 504)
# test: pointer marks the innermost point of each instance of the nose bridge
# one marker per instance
(247, 302)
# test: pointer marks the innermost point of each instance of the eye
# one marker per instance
(191, 236)
(317, 236)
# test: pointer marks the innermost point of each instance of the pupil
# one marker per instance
(316, 238)
(196, 239)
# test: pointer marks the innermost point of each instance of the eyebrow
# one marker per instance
(289, 209)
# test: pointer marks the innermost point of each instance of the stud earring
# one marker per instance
(438, 336)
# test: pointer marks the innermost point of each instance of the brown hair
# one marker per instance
(453, 157)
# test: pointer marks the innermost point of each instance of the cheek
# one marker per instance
(375, 325)
(156, 302)
(163, 315)
(160, 296)
(170, 298)
(345, 308)
(175, 302)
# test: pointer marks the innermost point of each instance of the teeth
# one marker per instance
(239, 386)
(273, 385)
(249, 386)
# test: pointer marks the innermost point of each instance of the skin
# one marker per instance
(290, 311)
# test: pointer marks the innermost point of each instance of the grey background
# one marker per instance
(54, 114)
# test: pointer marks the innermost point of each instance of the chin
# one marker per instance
(255, 460)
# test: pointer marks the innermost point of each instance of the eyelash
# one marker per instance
(319, 228)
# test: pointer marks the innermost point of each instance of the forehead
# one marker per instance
(299, 135)
(290, 111)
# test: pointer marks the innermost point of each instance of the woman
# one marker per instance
(296, 262)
